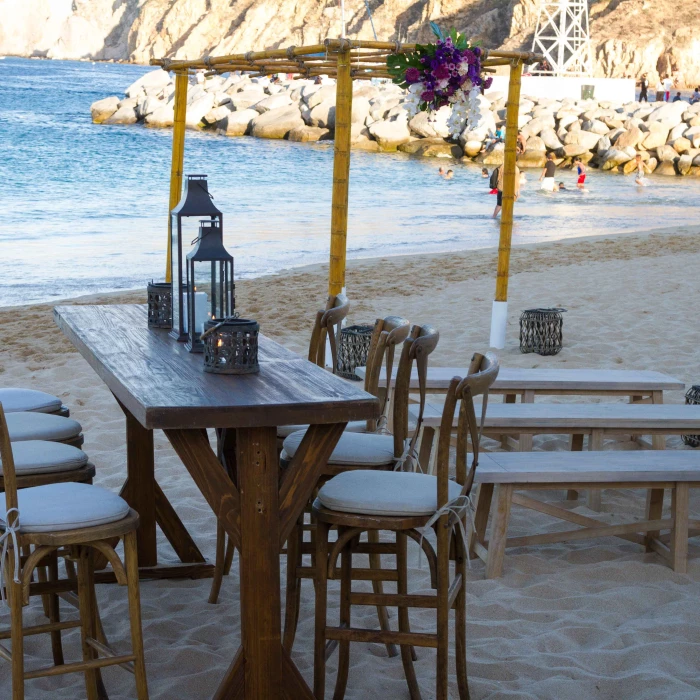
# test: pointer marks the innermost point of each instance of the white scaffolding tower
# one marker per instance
(562, 36)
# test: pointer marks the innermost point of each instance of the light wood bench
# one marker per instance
(500, 474)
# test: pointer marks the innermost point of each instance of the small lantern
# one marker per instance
(541, 331)
(160, 305)
(353, 349)
(692, 397)
(210, 287)
(231, 346)
(196, 202)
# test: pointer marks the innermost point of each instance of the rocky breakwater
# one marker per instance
(605, 135)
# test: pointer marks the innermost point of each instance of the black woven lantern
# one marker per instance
(353, 349)
(692, 397)
(541, 331)
(210, 288)
(231, 346)
(160, 305)
(195, 203)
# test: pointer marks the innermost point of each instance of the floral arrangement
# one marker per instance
(445, 73)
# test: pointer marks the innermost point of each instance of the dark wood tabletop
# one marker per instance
(165, 386)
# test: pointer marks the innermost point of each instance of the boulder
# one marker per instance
(154, 80)
(656, 136)
(629, 167)
(677, 131)
(550, 139)
(666, 153)
(272, 102)
(238, 123)
(363, 88)
(276, 123)
(247, 98)
(472, 148)
(586, 139)
(321, 114)
(696, 160)
(162, 117)
(325, 92)
(360, 109)
(567, 119)
(380, 107)
(309, 133)
(684, 164)
(359, 132)
(428, 125)
(126, 114)
(596, 126)
(612, 123)
(103, 109)
(682, 145)
(390, 134)
(536, 125)
(493, 156)
(432, 148)
(532, 159)
(214, 116)
(535, 143)
(196, 111)
(612, 158)
(695, 121)
(147, 104)
(571, 150)
(669, 114)
(603, 145)
(365, 145)
(666, 168)
(631, 137)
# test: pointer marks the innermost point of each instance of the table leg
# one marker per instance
(576, 446)
(507, 398)
(595, 501)
(525, 441)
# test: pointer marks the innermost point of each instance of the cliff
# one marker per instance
(631, 37)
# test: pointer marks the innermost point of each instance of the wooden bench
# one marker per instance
(500, 474)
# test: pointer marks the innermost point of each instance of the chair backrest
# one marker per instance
(8, 465)
(328, 322)
(483, 371)
(421, 341)
(387, 334)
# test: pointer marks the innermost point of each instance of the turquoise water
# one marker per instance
(84, 207)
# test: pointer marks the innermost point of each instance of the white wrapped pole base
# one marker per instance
(499, 316)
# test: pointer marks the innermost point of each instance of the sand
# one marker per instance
(593, 619)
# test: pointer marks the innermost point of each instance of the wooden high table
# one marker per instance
(159, 385)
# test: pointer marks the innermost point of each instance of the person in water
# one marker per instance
(441, 171)
(484, 172)
(449, 175)
(641, 171)
(499, 196)
(548, 173)
(561, 186)
(581, 171)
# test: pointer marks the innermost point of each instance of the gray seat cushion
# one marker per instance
(41, 426)
(356, 426)
(44, 457)
(353, 449)
(68, 506)
(374, 492)
(14, 400)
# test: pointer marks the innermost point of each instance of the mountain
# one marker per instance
(631, 37)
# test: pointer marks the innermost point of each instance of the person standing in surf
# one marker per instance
(581, 171)
(548, 173)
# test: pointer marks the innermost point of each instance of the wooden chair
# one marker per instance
(357, 501)
(71, 520)
(33, 425)
(387, 334)
(327, 324)
(16, 399)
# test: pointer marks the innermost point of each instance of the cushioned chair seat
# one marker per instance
(353, 449)
(41, 426)
(69, 506)
(357, 426)
(14, 400)
(43, 457)
(375, 492)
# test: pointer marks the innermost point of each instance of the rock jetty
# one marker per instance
(604, 135)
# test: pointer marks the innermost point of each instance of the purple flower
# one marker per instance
(427, 96)
(441, 72)
(412, 75)
(477, 51)
(488, 82)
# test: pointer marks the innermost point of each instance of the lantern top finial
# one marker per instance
(196, 199)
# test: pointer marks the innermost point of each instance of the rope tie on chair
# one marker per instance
(290, 52)
(10, 535)
(249, 57)
(456, 507)
(408, 459)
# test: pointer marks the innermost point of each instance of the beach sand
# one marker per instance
(591, 619)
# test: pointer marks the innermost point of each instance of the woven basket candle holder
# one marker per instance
(160, 305)
(231, 346)
(541, 331)
(353, 349)
(692, 397)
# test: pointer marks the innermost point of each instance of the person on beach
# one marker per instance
(521, 143)
(659, 92)
(493, 180)
(678, 97)
(499, 188)
(668, 84)
(641, 171)
(548, 172)
(644, 84)
(581, 171)
(484, 172)
(695, 97)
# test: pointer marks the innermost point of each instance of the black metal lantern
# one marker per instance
(196, 202)
(210, 287)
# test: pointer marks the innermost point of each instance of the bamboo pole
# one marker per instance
(178, 158)
(498, 319)
(341, 173)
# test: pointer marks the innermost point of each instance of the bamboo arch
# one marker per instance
(347, 60)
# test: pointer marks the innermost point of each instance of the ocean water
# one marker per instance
(84, 206)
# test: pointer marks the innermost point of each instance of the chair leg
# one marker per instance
(375, 562)
(344, 647)
(87, 617)
(293, 592)
(54, 615)
(499, 531)
(14, 592)
(460, 607)
(219, 564)
(443, 613)
(407, 650)
(481, 517)
(228, 559)
(131, 563)
(321, 581)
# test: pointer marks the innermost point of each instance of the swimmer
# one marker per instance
(561, 187)
(441, 171)
(449, 175)
(641, 171)
(484, 172)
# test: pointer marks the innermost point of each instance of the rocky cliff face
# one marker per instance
(631, 37)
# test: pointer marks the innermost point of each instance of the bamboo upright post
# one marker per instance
(500, 304)
(341, 171)
(180, 109)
